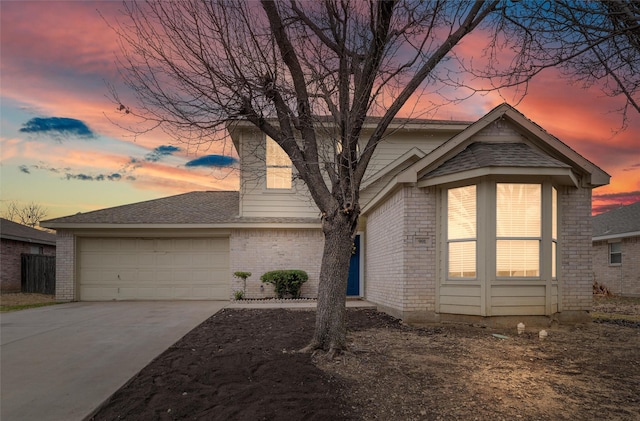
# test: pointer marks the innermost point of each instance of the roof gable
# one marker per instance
(531, 133)
(617, 223)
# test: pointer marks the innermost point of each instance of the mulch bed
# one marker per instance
(240, 365)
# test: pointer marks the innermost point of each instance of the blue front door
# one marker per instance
(353, 284)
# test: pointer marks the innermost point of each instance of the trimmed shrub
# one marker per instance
(286, 282)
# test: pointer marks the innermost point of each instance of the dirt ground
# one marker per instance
(241, 365)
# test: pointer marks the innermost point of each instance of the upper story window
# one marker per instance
(615, 253)
(279, 168)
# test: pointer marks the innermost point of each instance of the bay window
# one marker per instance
(518, 212)
(501, 231)
(461, 232)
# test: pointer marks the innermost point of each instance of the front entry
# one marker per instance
(353, 284)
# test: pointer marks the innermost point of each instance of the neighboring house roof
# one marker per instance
(196, 209)
(13, 231)
(618, 223)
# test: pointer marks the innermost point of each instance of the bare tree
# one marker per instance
(30, 214)
(197, 65)
(595, 43)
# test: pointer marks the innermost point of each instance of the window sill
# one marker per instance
(278, 191)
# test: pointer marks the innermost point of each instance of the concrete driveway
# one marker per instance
(60, 362)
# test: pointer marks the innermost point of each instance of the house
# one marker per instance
(484, 219)
(616, 250)
(16, 240)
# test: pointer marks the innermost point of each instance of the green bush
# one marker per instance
(286, 282)
(238, 295)
(242, 275)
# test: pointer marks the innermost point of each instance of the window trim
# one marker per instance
(538, 239)
(267, 167)
(486, 238)
(473, 240)
(612, 253)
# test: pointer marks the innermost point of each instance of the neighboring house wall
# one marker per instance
(575, 263)
(623, 278)
(10, 261)
(65, 266)
(263, 250)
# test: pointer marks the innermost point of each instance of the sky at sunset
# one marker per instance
(61, 145)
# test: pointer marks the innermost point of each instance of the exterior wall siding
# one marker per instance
(258, 201)
(263, 250)
(575, 271)
(10, 262)
(65, 266)
(621, 279)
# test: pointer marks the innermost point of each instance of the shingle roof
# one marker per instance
(484, 154)
(14, 231)
(195, 208)
(201, 207)
(617, 222)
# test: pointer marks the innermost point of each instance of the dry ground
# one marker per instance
(21, 300)
(241, 364)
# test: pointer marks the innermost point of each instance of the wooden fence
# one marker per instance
(38, 273)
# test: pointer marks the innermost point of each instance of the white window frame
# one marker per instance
(521, 239)
(462, 240)
(486, 234)
(612, 253)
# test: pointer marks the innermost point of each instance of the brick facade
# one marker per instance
(400, 262)
(384, 255)
(263, 250)
(623, 278)
(65, 266)
(575, 273)
(10, 261)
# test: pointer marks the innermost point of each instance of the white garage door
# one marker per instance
(153, 268)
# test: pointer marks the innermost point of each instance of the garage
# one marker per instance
(125, 268)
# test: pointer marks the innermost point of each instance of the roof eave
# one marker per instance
(616, 236)
(28, 240)
(221, 225)
(562, 176)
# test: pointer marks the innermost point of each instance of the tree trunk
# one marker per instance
(331, 323)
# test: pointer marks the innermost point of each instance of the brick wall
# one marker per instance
(575, 264)
(420, 251)
(622, 279)
(10, 263)
(384, 255)
(65, 266)
(401, 254)
(263, 250)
